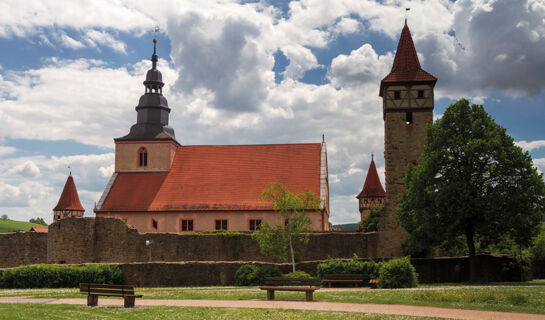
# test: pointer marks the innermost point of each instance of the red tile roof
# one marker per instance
(69, 199)
(42, 230)
(372, 186)
(406, 67)
(218, 178)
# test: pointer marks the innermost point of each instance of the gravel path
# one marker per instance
(391, 309)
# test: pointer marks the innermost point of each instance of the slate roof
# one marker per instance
(406, 67)
(69, 199)
(372, 186)
(219, 177)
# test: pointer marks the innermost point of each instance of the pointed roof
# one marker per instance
(372, 186)
(406, 67)
(69, 198)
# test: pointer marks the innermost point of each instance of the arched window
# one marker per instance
(142, 157)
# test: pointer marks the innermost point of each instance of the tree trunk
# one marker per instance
(292, 255)
(472, 259)
(470, 242)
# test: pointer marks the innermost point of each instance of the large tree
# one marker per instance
(471, 181)
(275, 241)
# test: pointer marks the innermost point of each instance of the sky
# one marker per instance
(246, 72)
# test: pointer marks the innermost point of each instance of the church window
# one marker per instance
(186, 225)
(397, 95)
(142, 157)
(409, 117)
(254, 224)
(221, 224)
(154, 224)
(420, 94)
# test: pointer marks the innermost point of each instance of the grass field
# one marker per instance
(37, 311)
(12, 225)
(525, 297)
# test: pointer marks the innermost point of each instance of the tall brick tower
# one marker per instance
(407, 104)
(69, 204)
(372, 195)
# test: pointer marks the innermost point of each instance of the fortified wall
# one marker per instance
(84, 240)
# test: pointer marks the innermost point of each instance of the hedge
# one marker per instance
(253, 275)
(397, 273)
(56, 276)
(368, 269)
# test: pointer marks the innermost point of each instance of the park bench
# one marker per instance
(273, 284)
(94, 290)
(343, 278)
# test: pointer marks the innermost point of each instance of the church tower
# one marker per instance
(407, 104)
(69, 204)
(372, 195)
(151, 144)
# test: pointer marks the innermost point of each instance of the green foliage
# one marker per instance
(368, 269)
(55, 276)
(4, 217)
(397, 273)
(538, 249)
(472, 181)
(39, 221)
(12, 225)
(252, 275)
(293, 208)
(298, 274)
(370, 223)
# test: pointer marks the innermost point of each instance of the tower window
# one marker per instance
(142, 157)
(397, 95)
(221, 224)
(420, 94)
(409, 117)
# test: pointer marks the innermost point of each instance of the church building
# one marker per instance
(160, 185)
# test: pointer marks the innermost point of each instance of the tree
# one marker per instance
(370, 223)
(4, 217)
(274, 241)
(472, 181)
(38, 221)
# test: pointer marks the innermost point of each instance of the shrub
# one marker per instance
(538, 249)
(368, 269)
(397, 273)
(55, 276)
(252, 275)
(298, 274)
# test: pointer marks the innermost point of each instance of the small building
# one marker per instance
(69, 204)
(373, 194)
(40, 230)
(160, 185)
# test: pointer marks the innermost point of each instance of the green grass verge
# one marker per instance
(520, 298)
(40, 311)
(12, 225)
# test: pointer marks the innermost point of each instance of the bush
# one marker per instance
(397, 273)
(298, 274)
(368, 269)
(538, 249)
(55, 276)
(370, 223)
(252, 275)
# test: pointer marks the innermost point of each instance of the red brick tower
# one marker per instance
(407, 93)
(69, 204)
(373, 194)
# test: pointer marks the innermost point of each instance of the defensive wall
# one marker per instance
(17, 248)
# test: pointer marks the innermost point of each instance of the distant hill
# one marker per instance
(346, 227)
(12, 225)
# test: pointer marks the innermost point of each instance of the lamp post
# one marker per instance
(148, 244)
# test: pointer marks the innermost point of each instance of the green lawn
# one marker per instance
(12, 225)
(40, 311)
(521, 297)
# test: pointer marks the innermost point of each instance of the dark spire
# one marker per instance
(372, 186)
(152, 110)
(69, 199)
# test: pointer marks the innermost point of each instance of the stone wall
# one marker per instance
(17, 248)
(81, 240)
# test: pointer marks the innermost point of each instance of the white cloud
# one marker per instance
(6, 150)
(94, 37)
(71, 43)
(540, 164)
(530, 145)
(28, 169)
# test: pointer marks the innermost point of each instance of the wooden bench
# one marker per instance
(343, 278)
(94, 290)
(273, 284)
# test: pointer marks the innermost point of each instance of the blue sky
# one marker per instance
(246, 72)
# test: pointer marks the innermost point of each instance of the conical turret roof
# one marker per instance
(69, 198)
(406, 67)
(372, 186)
